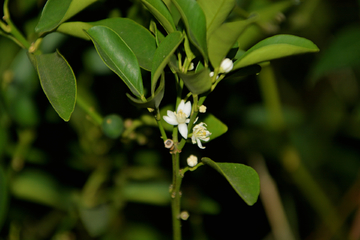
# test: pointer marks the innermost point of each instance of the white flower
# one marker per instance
(192, 160)
(200, 133)
(180, 117)
(226, 66)
(202, 109)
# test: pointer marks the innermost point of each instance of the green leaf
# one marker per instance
(96, 220)
(156, 193)
(216, 12)
(55, 12)
(267, 14)
(195, 22)
(153, 101)
(162, 55)
(242, 178)
(275, 47)
(197, 83)
(75, 29)
(117, 55)
(159, 10)
(138, 38)
(224, 38)
(42, 188)
(58, 82)
(242, 72)
(214, 125)
(4, 194)
(342, 52)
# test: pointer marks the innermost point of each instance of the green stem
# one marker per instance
(11, 28)
(162, 130)
(271, 97)
(176, 197)
(89, 110)
(175, 191)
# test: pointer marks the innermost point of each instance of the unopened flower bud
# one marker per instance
(211, 74)
(226, 65)
(184, 215)
(202, 109)
(191, 67)
(192, 160)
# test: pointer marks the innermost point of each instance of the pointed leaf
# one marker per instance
(195, 22)
(58, 82)
(275, 47)
(159, 10)
(216, 12)
(162, 55)
(224, 38)
(173, 10)
(117, 55)
(153, 101)
(197, 83)
(55, 12)
(138, 38)
(214, 125)
(242, 178)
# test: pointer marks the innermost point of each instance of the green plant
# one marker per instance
(190, 46)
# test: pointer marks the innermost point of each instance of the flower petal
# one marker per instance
(181, 106)
(171, 119)
(199, 144)
(193, 139)
(187, 108)
(183, 130)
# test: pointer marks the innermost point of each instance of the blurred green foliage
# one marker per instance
(70, 181)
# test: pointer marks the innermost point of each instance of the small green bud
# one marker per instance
(113, 126)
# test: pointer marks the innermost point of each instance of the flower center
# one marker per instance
(201, 132)
(181, 117)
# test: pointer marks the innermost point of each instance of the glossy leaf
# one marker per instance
(159, 10)
(195, 22)
(162, 55)
(58, 82)
(242, 178)
(275, 47)
(138, 38)
(118, 56)
(214, 125)
(224, 38)
(153, 101)
(75, 29)
(197, 83)
(4, 195)
(52, 15)
(55, 12)
(216, 12)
